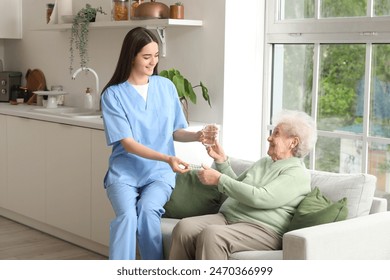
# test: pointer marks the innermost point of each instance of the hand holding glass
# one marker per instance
(210, 132)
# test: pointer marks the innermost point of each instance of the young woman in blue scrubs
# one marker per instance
(142, 117)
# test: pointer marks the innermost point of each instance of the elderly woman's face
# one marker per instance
(280, 144)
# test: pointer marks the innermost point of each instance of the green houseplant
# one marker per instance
(184, 88)
(79, 33)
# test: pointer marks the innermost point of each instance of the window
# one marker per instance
(331, 59)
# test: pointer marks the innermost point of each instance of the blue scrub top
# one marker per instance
(151, 123)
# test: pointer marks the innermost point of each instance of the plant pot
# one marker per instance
(184, 106)
(176, 12)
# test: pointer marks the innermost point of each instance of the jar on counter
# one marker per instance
(134, 6)
(120, 10)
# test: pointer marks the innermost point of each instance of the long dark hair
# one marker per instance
(133, 43)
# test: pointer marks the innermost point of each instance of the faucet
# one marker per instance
(87, 69)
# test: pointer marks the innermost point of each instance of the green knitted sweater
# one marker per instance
(267, 193)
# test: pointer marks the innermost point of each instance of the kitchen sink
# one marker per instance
(72, 112)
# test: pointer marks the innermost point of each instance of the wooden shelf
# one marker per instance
(149, 23)
(159, 24)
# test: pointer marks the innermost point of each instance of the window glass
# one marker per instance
(297, 9)
(381, 7)
(380, 91)
(292, 77)
(343, 8)
(341, 70)
(379, 164)
(327, 154)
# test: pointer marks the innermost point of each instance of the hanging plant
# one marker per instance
(79, 33)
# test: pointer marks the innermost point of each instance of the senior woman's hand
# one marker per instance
(208, 176)
(216, 152)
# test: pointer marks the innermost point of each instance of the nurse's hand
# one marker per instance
(178, 165)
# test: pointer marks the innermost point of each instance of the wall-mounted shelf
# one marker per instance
(159, 24)
(149, 23)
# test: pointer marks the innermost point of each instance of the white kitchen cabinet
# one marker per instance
(26, 167)
(3, 160)
(68, 178)
(102, 212)
(10, 19)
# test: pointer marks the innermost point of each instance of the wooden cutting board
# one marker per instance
(35, 80)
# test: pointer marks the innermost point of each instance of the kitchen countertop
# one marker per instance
(27, 111)
(198, 154)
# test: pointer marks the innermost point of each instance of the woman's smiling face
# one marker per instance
(281, 145)
(146, 60)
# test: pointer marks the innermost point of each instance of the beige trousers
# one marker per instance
(210, 237)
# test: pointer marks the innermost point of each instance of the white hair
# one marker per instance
(301, 125)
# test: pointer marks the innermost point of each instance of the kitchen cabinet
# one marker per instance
(52, 173)
(51, 177)
(3, 160)
(26, 167)
(68, 178)
(10, 19)
(101, 210)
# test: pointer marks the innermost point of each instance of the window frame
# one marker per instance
(367, 30)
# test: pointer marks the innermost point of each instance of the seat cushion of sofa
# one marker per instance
(358, 188)
(257, 255)
(167, 225)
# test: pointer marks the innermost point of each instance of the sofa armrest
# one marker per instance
(378, 205)
(365, 238)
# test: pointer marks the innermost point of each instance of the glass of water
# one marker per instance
(210, 132)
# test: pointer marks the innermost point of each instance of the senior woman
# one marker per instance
(260, 202)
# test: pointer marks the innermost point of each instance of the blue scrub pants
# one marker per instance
(138, 213)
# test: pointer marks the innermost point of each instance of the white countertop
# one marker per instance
(27, 111)
(192, 152)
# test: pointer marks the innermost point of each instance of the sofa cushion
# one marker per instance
(358, 188)
(316, 209)
(191, 198)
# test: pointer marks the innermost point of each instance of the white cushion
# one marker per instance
(257, 255)
(357, 188)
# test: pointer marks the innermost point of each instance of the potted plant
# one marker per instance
(79, 33)
(184, 88)
(177, 11)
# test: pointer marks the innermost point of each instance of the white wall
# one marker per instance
(244, 47)
(228, 62)
(196, 51)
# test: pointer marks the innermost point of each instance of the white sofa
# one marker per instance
(364, 235)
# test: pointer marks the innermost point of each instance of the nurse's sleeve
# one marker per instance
(116, 125)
